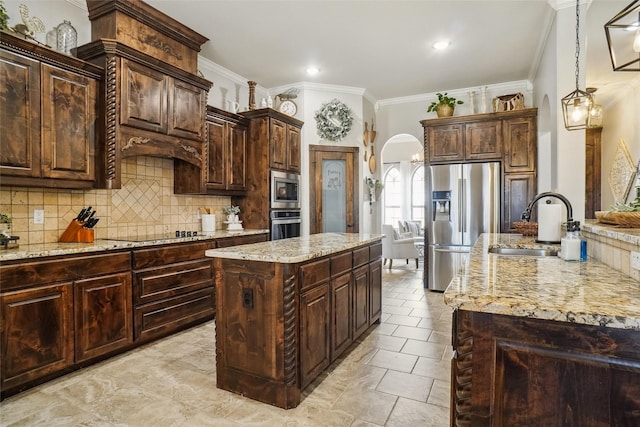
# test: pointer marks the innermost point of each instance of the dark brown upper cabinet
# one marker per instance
(47, 117)
(510, 138)
(154, 101)
(225, 153)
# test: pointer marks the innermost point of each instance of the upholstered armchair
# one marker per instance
(397, 248)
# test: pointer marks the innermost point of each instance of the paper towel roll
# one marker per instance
(549, 222)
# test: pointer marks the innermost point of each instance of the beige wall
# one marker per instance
(144, 205)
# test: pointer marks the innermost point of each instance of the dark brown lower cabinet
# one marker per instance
(103, 315)
(314, 336)
(361, 280)
(168, 297)
(37, 333)
(280, 325)
(375, 288)
(515, 371)
(60, 313)
(341, 300)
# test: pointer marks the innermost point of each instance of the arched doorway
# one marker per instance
(402, 173)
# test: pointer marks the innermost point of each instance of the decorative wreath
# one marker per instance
(334, 120)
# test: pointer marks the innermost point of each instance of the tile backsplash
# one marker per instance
(144, 205)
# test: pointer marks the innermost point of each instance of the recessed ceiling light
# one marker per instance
(441, 45)
(312, 71)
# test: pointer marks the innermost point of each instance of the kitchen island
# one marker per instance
(543, 341)
(286, 309)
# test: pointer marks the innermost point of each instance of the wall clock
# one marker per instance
(288, 107)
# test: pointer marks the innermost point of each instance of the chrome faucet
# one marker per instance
(571, 224)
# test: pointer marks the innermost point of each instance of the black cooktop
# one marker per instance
(150, 238)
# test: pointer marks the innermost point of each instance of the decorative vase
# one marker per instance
(472, 101)
(483, 99)
(444, 110)
(66, 37)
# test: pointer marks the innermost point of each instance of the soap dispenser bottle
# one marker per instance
(571, 245)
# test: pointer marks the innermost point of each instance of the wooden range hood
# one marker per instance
(154, 101)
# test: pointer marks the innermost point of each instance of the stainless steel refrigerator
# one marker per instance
(463, 201)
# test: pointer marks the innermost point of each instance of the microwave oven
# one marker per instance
(285, 190)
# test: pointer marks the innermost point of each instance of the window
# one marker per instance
(417, 194)
(392, 212)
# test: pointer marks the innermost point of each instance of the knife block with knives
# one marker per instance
(80, 229)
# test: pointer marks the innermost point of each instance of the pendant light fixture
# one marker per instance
(623, 38)
(576, 106)
(595, 116)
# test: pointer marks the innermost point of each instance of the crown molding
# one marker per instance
(321, 87)
(564, 4)
(207, 64)
(82, 4)
(426, 97)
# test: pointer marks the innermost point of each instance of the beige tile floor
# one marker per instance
(397, 374)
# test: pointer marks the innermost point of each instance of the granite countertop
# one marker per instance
(296, 249)
(55, 249)
(548, 288)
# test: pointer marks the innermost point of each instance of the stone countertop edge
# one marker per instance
(548, 288)
(57, 249)
(628, 235)
(296, 249)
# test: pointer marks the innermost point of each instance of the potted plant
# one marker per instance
(4, 17)
(445, 105)
(5, 224)
(232, 213)
(375, 187)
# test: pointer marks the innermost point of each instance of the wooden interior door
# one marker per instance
(593, 170)
(333, 209)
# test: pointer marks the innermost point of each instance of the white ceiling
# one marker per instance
(384, 46)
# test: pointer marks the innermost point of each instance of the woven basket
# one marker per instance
(526, 228)
(623, 219)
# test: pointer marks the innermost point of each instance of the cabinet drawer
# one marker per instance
(165, 282)
(360, 256)
(166, 316)
(27, 274)
(163, 255)
(314, 273)
(375, 251)
(240, 240)
(341, 263)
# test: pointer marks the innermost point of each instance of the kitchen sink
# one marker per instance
(523, 251)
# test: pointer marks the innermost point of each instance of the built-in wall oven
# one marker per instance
(285, 224)
(285, 190)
